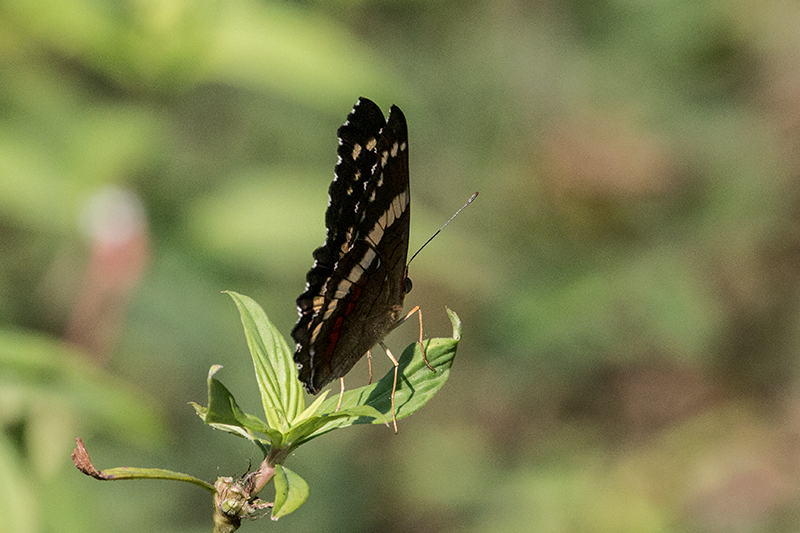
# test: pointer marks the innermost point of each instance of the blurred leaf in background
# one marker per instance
(629, 277)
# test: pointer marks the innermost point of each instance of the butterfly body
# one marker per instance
(356, 287)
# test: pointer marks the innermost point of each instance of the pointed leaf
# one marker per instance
(320, 424)
(281, 394)
(290, 492)
(416, 384)
(224, 413)
(456, 323)
(311, 410)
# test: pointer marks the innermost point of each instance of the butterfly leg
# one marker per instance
(422, 346)
(341, 395)
(394, 383)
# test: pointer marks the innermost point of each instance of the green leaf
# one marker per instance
(311, 410)
(318, 425)
(281, 394)
(416, 384)
(224, 413)
(290, 492)
(455, 322)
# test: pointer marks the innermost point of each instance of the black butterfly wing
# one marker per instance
(361, 130)
(354, 292)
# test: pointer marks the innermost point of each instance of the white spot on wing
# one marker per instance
(377, 232)
(355, 274)
(384, 158)
(389, 216)
(329, 311)
(366, 261)
(343, 289)
(347, 244)
(356, 151)
(395, 147)
(371, 144)
(314, 336)
(382, 221)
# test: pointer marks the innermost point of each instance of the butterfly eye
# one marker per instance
(407, 286)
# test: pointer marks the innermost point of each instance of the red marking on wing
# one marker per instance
(333, 338)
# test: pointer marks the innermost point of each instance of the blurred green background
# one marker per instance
(628, 277)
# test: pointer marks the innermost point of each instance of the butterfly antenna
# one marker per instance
(471, 198)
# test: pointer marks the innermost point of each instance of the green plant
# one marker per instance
(287, 422)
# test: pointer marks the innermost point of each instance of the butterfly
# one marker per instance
(355, 289)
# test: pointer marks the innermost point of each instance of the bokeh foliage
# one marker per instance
(628, 277)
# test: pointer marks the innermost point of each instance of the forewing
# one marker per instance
(357, 155)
